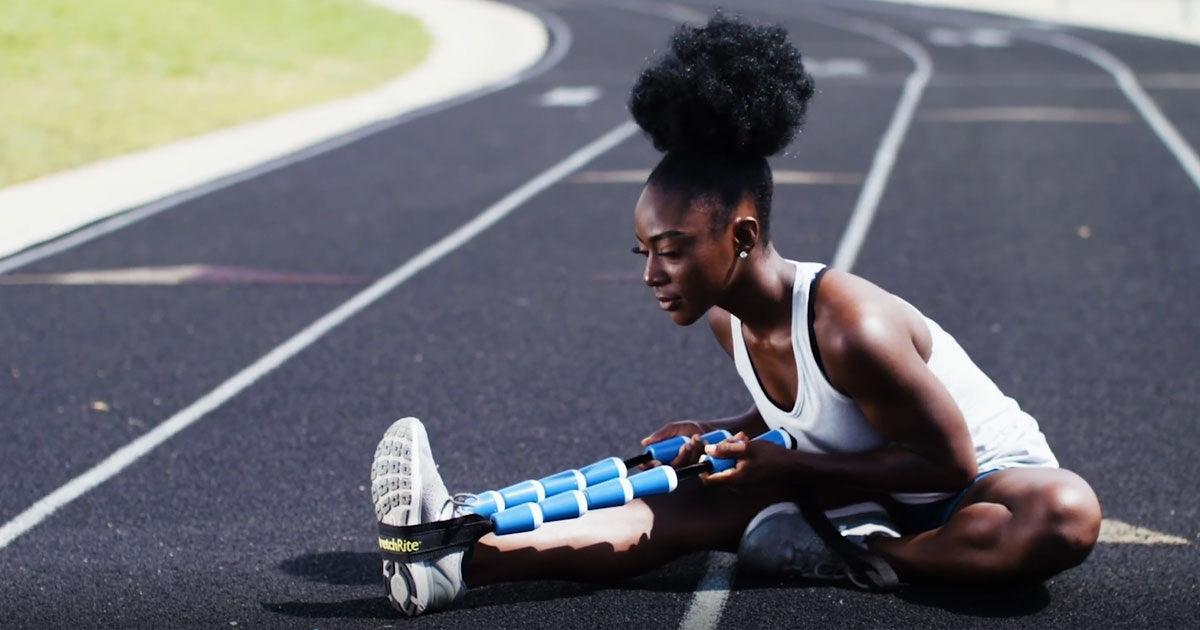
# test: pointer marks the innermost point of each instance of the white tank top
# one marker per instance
(823, 420)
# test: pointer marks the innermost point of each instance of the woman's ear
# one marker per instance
(745, 233)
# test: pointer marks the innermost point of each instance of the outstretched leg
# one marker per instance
(1019, 523)
(623, 541)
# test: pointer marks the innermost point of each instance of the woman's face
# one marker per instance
(687, 265)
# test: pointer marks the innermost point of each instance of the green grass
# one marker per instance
(82, 80)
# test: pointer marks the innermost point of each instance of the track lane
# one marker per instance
(1062, 323)
(356, 210)
(317, 445)
(253, 516)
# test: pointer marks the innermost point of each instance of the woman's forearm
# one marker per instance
(888, 469)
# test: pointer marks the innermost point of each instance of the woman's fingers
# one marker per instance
(731, 475)
(689, 453)
(732, 447)
(665, 432)
(670, 430)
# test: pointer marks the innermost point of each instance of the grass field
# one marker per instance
(87, 80)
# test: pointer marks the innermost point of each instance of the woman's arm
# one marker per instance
(749, 422)
(868, 342)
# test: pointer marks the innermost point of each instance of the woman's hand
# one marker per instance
(757, 461)
(691, 451)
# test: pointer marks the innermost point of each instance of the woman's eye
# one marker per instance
(669, 254)
(640, 251)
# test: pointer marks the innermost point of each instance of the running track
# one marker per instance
(1035, 209)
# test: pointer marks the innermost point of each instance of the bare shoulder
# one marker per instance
(856, 321)
(718, 320)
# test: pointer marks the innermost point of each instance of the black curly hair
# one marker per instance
(726, 96)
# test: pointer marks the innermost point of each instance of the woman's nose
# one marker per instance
(653, 275)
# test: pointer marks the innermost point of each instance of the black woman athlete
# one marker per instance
(883, 403)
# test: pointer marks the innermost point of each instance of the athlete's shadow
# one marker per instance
(361, 569)
(1012, 600)
(348, 568)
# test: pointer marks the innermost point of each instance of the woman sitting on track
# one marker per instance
(883, 402)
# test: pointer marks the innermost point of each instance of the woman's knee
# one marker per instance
(1055, 526)
(1069, 521)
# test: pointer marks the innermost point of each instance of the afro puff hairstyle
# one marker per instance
(724, 97)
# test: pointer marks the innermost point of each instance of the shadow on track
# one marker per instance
(1017, 600)
(349, 568)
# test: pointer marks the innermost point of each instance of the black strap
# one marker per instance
(409, 543)
(878, 573)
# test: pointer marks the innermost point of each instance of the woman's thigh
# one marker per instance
(1030, 489)
(1055, 513)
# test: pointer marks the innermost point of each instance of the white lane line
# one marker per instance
(837, 67)
(704, 612)
(560, 42)
(785, 177)
(130, 453)
(1025, 113)
(709, 599)
(170, 275)
(1128, 83)
(885, 155)
(1125, 78)
(1121, 533)
(570, 96)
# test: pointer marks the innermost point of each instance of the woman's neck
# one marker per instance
(762, 296)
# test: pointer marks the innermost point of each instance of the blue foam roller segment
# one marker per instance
(559, 507)
(774, 436)
(609, 494)
(487, 503)
(660, 480)
(712, 437)
(604, 470)
(523, 518)
(564, 481)
(667, 450)
(525, 492)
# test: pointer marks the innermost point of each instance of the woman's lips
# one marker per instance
(669, 304)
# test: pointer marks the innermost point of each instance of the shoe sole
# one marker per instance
(395, 482)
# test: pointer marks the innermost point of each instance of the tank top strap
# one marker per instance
(802, 353)
(808, 281)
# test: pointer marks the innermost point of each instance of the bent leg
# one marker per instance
(1018, 523)
(623, 541)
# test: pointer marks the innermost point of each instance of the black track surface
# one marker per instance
(534, 347)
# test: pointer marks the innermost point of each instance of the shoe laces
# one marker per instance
(835, 570)
(459, 500)
(830, 570)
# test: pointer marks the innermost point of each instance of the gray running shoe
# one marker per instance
(407, 490)
(779, 540)
(862, 521)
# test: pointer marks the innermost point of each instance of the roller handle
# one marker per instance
(667, 450)
(774, 436)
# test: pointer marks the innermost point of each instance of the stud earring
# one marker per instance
(744, 254)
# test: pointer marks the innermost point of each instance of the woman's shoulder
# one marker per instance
(853, 316)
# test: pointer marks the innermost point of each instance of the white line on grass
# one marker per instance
(559, 44)
(704, 612)
(130, 453)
